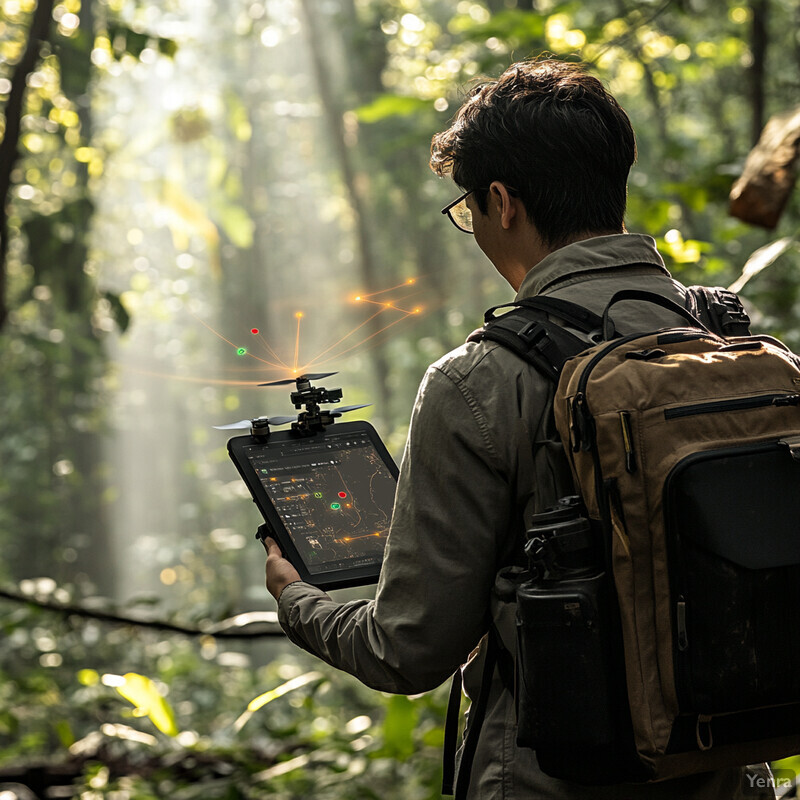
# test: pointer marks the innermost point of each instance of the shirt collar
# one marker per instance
(596, 253)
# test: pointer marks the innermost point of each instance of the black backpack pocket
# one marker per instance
(571, 694)
(733, 537)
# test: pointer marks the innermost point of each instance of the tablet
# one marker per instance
(326, 499)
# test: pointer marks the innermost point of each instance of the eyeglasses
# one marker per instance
(459, 214)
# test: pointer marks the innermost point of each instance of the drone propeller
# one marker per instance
(246, 424)
(282, 420)
(317, 376)
(344, 409)
(234, 426)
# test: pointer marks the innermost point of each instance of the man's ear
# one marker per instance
(505, 204)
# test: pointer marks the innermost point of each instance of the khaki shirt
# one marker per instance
(482, 455)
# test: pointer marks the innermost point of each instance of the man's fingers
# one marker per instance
(279, 572)
(272, 547)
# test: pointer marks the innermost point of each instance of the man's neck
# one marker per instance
(536, 251)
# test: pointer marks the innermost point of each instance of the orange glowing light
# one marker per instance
(408, 282)
(363, 341)
(356, 338)
(299, 316)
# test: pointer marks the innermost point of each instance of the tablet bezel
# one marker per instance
(334, 579)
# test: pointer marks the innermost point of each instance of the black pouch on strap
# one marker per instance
(722, 311)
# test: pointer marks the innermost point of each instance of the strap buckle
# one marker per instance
(532, 333)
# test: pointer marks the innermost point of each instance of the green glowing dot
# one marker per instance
(241, 351)
(336, 506)
(317, 494)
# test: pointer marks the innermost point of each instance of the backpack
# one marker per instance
(655, 621)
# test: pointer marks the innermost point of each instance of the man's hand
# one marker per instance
(280, 573)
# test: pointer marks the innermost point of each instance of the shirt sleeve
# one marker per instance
(431, 607)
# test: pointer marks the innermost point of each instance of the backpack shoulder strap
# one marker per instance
(456, 781)
(722, 311)
(528, 331)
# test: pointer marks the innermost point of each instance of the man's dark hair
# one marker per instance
(553, 133)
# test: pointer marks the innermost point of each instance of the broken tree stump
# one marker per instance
(762, 192)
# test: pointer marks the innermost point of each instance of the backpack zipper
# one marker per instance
(582, 421)
(737, 404)
(683, 639)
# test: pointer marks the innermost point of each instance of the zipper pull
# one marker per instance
(683, 639)
(627, 441)
(582, 423)
(576, 412)
(787, 400)
(793, 443)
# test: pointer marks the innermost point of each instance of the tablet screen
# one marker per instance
(333, 493)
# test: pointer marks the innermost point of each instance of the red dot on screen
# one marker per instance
(342, 494)
(253, 330)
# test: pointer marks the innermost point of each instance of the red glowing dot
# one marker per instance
(253, 330)
(342, 494)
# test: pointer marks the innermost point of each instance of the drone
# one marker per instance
(308, 422)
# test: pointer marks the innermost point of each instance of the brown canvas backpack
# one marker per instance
(656, 622)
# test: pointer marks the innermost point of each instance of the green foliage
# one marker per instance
(179, 182)
(126, 41)
(387, 106)
(315, 731)
(238, 225)
(117, 310)
(142, 692)
(399, 726)
(513, 27)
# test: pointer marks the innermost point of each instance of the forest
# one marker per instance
(198, 197)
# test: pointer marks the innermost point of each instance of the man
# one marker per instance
(543, 156)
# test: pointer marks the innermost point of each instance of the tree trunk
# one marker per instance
(354, 185)
(39, 31)
(758, 46)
